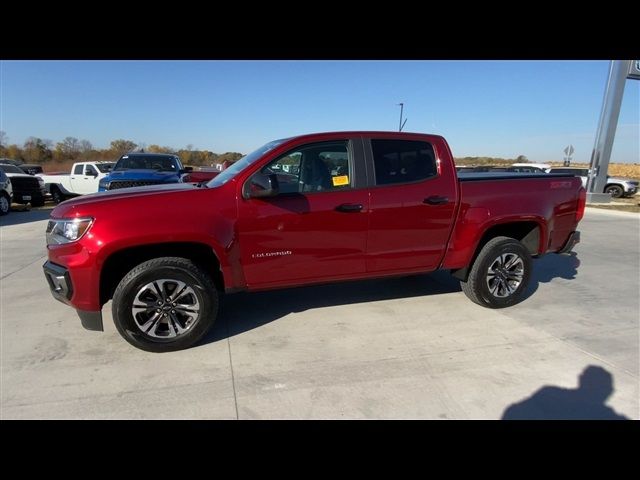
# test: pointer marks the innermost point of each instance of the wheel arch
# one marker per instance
(530, 233)
(119, 263)
(617, 185)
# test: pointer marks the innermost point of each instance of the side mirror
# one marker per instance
(186, 170)
(91, 174)
(261, 185)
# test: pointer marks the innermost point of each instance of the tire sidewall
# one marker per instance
(506, 246)
(57, 197)
(3, 199)
(125, 295)
(614, 189)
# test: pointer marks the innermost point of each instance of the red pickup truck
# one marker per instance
(308, 209)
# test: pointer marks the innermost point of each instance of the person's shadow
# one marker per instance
(587, 402)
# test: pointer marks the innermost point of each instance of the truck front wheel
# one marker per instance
(165, 304)
(615, 191)
(56, 195)
(500, 274)
(5, 204)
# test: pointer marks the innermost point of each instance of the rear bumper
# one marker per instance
(61, 288)
(572, 241)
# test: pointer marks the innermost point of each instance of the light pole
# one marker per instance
(401, 124)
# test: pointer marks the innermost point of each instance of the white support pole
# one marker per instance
(601, 154)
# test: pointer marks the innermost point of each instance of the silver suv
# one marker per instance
(617, 187)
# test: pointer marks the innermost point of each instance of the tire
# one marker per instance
(57, 195)
(506, 286)
(155, 327)
(5, 204)
(615, 191)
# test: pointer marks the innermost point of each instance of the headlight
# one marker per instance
(67, 230)
(41, 182)
(104, 185)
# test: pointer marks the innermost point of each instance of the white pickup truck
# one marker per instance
(83, 179)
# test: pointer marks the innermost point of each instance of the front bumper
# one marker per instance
(572, 241)
(59, 282)
(61, 288)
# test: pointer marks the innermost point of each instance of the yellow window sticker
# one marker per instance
(340, 181)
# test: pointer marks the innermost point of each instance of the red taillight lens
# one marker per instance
(582, 202)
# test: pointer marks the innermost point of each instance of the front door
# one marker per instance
(84, 179)
(315, 229)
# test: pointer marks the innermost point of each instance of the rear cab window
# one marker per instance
(403, 161)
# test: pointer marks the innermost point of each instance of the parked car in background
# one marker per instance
(26, 188)
(498, 169)
(30, 168)
(83, 179)
(617, 187)
(203, 174)
(525, 168)
(539, 166)
(6, 193)
(142, 169)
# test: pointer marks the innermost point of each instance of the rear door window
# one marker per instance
(403, 161)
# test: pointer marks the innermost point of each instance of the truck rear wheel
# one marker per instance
(500, 274)
(165, 304)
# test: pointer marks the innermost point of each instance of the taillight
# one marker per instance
(582, 202)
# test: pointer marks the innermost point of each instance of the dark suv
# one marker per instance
(30, 168)
(26, 188)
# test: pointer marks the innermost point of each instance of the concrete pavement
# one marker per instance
(412, 347)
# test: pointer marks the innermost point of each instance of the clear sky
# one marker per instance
(483, 108)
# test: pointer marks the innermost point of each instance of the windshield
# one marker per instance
(105, 167)
(243, 163)
(148, 162)
(10, 169)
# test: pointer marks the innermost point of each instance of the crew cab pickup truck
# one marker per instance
(83, 179)
(350, 205)
(141, 169)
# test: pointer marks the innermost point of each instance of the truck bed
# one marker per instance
(546, 201)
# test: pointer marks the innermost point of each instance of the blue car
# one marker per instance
(140, 169)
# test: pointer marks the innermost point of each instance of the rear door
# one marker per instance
(412, 205)
(77, 178)
(316, 228)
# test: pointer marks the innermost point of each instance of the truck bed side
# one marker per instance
(517, 203)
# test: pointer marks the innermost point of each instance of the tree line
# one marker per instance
(71, 149)
(44, 152)
(490, 160)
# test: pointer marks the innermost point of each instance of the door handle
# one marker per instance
(435, 200)
(349, 208)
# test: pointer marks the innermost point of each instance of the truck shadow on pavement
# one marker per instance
(242, 312)
(550, 267)
(19, 215)
(587, 402)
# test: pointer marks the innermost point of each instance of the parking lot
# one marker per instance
(411, 347)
